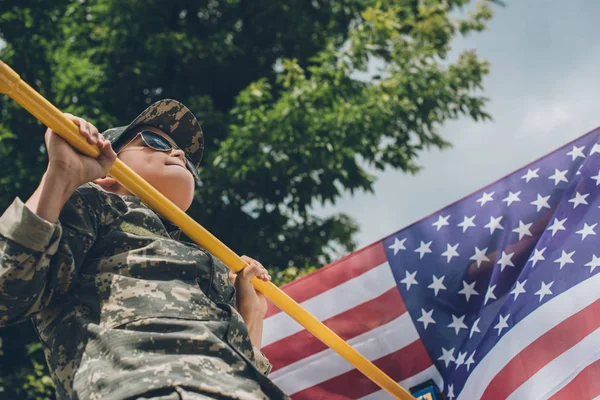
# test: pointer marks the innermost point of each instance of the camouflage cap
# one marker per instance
(173, 118)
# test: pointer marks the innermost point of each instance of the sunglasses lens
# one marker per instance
(155, 141)
(159, 143)
(192, 168)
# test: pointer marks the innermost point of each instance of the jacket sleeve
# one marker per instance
(39, 260)
(261, 361)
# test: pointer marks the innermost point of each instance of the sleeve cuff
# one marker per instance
(261, 361)
(21, 225)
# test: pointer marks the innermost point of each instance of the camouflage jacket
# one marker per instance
(122, 306)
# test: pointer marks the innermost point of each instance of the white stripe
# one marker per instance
(429, 373)
(528, 330)
(327, 364)
(332, 302)
(562, 370)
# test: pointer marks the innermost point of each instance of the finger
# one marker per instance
(85, 125)
(107, 154)
(251, 261)
(48, 137)
(110, 153)
(76, 120)
(84, 130)
(232, 276)
(247, 259)
(93, 130)
(255, 270)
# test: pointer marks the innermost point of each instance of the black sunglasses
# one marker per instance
(159, 143)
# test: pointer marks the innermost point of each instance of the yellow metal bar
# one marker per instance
(12, 85)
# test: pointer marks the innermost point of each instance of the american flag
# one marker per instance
(495, 296)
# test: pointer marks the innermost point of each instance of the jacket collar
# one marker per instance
(172, 229)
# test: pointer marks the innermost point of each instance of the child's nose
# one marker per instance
(178, 153)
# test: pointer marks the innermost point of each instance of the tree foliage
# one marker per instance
(290, 123)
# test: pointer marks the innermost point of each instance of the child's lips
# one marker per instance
(177, 164)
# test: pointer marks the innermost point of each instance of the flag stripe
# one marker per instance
(526, 331)
(327, 364)
(423, 376)
(586, 385)
(557, 373)
(542, 351)
(347, 325)
(327, 277)
(399, 365)
(339, 299)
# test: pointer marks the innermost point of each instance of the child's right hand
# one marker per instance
(73, 165)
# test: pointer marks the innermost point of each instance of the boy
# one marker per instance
(123, 308)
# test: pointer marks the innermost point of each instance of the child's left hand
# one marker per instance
(251, 304)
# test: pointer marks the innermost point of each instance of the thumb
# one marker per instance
(108, 183)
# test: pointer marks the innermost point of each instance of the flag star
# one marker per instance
(541, 202)
(424, 248)
(485, 198)
(538, 255)
(460, 360)
(450, 252)
(469, 290)
(447, 356)
(489, 295)
(457, 323)
(437, 284)
(470, 360)
(576, 152)
(597, 178)
(494, 224)
(442, 221)
(579, 199)
(544, 290)
(565, 258)
(586, 230)
(398, 245)
(475, 328)
(530, 175)
(479, 256)
(467, 223)
(519, 288)
(579, 170)
(559, 176)
(594, 263)
(523, 229)
(505, 260)
(451, 394)
(511, 198)
(426, 318)
(409, 280)
(502, 323)
(557, 226)
(595, 149)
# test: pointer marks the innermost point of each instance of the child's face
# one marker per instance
(165, 170)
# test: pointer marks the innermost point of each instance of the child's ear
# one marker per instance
(109, 184)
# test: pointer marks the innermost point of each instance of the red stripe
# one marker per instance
(347, 325)
(586, 385)
(400, 365)
(542, 351)
(325, 278)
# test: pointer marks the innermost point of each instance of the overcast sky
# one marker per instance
(543, 90)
